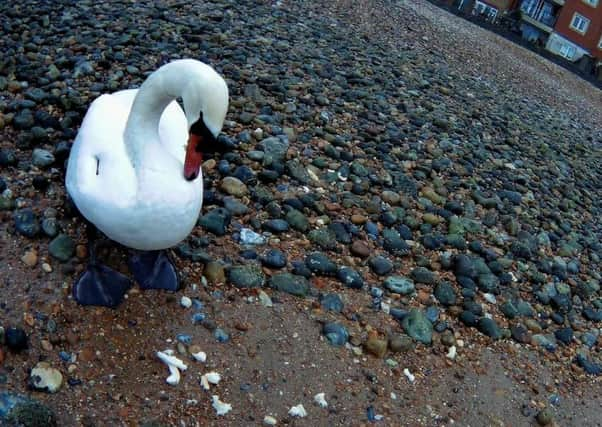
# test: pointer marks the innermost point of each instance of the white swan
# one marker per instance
(134, 168)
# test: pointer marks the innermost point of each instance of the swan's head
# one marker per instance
(205, 106)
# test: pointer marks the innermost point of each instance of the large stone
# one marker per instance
(417, 325)
(290, 283)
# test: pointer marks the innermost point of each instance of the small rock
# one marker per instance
(360, 249)
(249, 237)
(15, 339)
(234, 186)
(400, 343)
(290, 283)
(276, 225)
(545, 417)
(62, 247)
(445, 294)
(216, 221)
(214, 272)
(26, 222)
(399, 285)
(489, 327)
(42, 158)
(45, 377)
(423, 275)
(246, 276)
(376, 347)
(17, 410)
(336, 333)
(332, 302)
(274, 258)
(30, 258)
(350, 278)
(380, 265)
(319, 263)
(418, 326)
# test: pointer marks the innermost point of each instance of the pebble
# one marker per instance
(274, 258)
(320, 264)
(62, 247)
(376, 347)
(20, 410)
(417, 326)
(45, 378)
(268, 420)
(234, 186)
(399, 285)
(489, 327)
(445, 294)
(350, 277)
(246, 276)
(42, 158)
(264, 299)
(332, 302)
(249, 237)
(15, 339)
(30, 258)
(290, 283)
(216, 221)
(336, 333)
(400, 343)
(545, 417)
(380, 265)
(360, 249)
(26, 222)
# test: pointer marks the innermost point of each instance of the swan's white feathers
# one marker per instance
(148, 207)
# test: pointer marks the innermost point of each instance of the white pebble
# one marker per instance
(201, 356)
(265, 299)
(451, 354)
(174, 375)
(210, 377)
(186, 302)
(409, 375)
(320, 400)
(167, 358)
(269, 420)
(298, 411)
(490, 298)
(386, 308)
(220, 407)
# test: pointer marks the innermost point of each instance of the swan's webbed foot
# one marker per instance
(154, 270)
(101, 285)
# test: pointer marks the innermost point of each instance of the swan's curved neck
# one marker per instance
(160, 88)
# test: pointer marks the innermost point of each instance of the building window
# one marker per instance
(579, 23)
(592, 3)
(567, 51)
(484, 10)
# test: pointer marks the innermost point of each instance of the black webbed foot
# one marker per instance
(154, 270)
(101, 285)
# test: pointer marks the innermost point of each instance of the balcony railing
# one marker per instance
(538, 24)
(541, 11)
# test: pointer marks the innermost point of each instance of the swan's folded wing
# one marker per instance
(99, 172)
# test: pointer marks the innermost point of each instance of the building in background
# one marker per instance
(491, 10)
(568, 28)
(571, 29)
(578, 30)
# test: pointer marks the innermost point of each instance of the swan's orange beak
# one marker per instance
(194, 157)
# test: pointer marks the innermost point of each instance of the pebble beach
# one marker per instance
(403, 214)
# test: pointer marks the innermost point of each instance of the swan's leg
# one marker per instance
(154, 270)
(99, 285)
